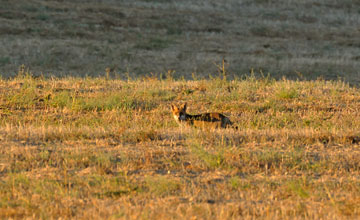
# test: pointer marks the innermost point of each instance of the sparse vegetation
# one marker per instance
(100, 148)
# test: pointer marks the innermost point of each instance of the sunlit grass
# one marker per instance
(74, 144)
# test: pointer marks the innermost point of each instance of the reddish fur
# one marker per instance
(204, 120)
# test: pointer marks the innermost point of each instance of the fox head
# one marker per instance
(179, 113)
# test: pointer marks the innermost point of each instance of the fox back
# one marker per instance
(204, 120)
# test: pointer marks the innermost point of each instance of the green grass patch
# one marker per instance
(298, 188)
(162, 185)
(212, 160)
(287, 93)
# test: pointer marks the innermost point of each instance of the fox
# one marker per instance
(205, 120)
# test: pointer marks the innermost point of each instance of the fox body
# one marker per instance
(204, 120)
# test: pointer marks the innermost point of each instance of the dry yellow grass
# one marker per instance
(98, 148)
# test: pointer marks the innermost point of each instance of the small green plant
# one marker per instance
(25, 98)
(298, 188)
(236, 183)
(212, 160)
(287, 93)
(61, 100)
(162, 185)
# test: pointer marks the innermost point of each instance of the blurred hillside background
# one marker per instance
(302, 39)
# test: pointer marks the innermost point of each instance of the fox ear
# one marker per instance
(173, 107)
(184, 106)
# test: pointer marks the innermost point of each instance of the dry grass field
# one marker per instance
(99, 148)
(86, 130)
(301, 39)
